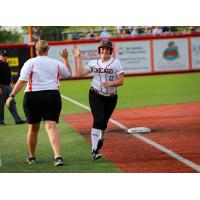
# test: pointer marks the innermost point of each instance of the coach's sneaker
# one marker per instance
(31, 160)
(96, 155)
(58, 161)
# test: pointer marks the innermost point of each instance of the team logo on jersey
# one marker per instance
(171, 52)
(103, 70)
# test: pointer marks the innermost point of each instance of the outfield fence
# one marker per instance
(138, 55)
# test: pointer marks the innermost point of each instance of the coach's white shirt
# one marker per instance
(43, 73)
(104, 72)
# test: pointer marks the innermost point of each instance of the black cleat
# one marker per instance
(96, 155)
(59, 161)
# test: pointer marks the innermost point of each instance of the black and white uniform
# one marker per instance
(102, 100)
(42, 99)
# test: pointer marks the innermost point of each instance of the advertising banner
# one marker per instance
(167, 54)
(89, 52)
(195, 45)
(171, 54)
(134, 56)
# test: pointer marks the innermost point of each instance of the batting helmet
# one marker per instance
(105, 43)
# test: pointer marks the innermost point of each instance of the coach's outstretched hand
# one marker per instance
(64, 54)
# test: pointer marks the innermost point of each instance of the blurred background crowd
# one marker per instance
(62, 33)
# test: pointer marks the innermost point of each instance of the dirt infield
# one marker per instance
(176, 127)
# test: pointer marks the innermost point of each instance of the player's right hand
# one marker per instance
(77, 53)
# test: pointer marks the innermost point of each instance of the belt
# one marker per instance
(103, 94)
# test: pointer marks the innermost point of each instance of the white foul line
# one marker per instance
(144, 139)
(75, 102)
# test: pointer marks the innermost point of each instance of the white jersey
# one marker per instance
(104, 72)
(43, 73)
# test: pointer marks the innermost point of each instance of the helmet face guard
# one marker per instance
(105, 43)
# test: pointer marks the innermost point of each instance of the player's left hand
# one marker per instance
(106, 84)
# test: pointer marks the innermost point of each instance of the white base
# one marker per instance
(139, 130)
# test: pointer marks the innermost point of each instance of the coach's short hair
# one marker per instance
(41, 46)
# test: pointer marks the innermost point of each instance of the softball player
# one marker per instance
(107, 76)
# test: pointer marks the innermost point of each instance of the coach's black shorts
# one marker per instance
(42, 105)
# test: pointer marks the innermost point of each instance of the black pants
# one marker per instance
(5, 91)
(102, 108)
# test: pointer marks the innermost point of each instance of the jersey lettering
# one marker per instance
(103, 70)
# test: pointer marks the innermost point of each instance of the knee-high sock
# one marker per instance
(95, 135)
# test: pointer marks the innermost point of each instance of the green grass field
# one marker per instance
(137, 91)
